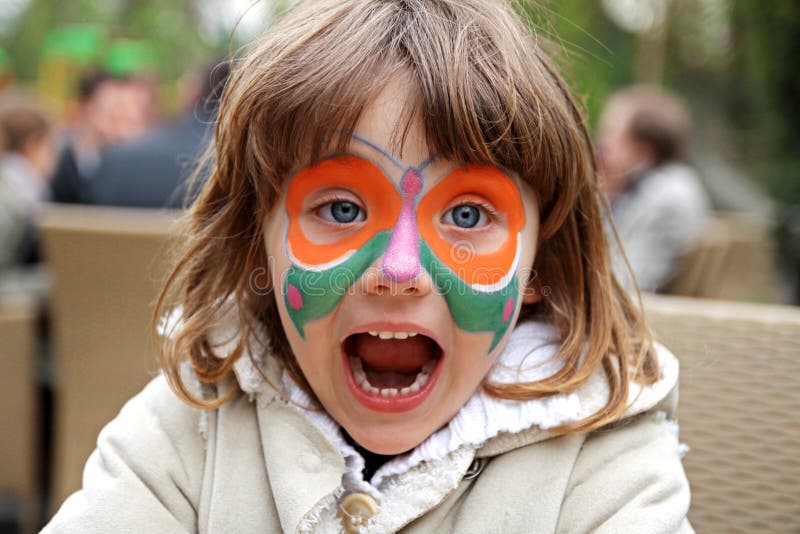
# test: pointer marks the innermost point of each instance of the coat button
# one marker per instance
(355, 510)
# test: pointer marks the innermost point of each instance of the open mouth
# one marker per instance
(391, 370)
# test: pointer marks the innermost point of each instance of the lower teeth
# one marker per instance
(362, 381)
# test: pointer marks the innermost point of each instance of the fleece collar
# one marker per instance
(488, 425)
(528, 356)
(413, 483)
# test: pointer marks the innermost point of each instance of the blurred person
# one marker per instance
(134, 109)
(25, 168)
(658, 205)
(110, 111)
(145, 88)
(152, 171)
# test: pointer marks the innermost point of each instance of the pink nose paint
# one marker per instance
(401, 259)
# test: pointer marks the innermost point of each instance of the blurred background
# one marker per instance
(105, 106)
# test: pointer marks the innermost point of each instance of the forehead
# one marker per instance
(389, 124)
(388, 131)
(616, 116)
(391, 132)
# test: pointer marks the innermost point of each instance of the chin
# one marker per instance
(387, 441)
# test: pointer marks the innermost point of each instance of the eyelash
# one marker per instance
(491, 214)
(490, 211)
(325, 201)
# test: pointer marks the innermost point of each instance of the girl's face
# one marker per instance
(398, 277)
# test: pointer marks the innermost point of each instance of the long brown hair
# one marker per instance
(487, 93)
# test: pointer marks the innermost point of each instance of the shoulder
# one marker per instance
(165, 145)
(146, 472)
(628, 476)
(156, 433)
(674, 184)
(159, 406)
(12, 195)
(625, 477)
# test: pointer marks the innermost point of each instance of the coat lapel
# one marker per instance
(302, 466)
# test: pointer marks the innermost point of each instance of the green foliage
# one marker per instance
(752, 93)
(165, 32)
(79, 43)
(769, 45)
(766, 82)
(595, 56)
(25, 44)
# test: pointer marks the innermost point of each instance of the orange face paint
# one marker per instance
(501, 191)
(365, 179)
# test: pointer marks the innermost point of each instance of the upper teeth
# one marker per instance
(385, 334)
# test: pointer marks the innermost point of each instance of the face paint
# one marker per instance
(321, 273)
(401, 261)
(481, 289)
(401, 226)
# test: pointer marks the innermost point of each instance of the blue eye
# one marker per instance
(465, 216)
(342, 211)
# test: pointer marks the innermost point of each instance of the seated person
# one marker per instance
(658, 204)
(154, 171)
(25, 168)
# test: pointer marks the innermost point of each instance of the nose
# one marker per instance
(375, 281)
(401, 259)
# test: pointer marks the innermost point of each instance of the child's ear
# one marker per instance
(532, 292)
(531, 296)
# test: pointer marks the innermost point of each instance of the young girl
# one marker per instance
(396, 304)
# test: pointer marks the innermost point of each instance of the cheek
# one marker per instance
(279, 265)
(529, 236)
(311, 351)
(316, 354)
(471, 361)
(320, 272)
(490, 302)
(473, 308)
(481, 258)
(310, 295)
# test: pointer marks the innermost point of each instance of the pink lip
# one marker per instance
(391, 404)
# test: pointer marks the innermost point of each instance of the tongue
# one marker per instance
(389, 379)
(405, 356)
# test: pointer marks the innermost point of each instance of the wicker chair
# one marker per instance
(733, 260)
(740, 398)
(108, 265)
(739, 410)
(19, 416)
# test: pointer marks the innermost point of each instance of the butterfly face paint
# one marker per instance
(481, 287)
(403, 226)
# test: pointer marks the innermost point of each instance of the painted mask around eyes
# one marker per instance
(480, 287)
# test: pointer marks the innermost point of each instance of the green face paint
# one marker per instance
(311, 294)
(473, 310)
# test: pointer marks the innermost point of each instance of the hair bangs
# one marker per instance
(489, 95)
(301, 90)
